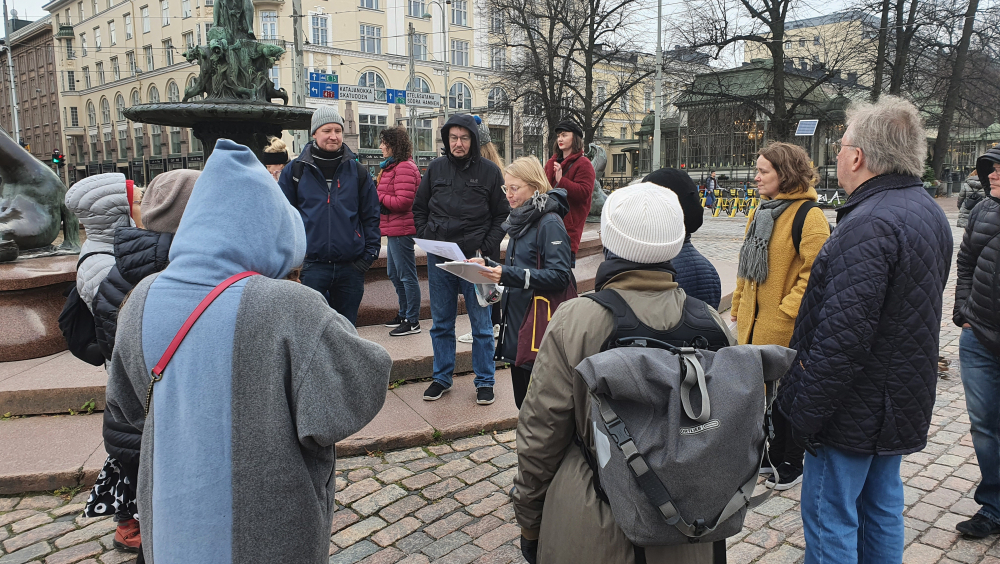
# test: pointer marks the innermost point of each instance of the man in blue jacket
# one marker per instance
(860, 393)
(339, 205)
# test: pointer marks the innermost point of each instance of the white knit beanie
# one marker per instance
(643, 223)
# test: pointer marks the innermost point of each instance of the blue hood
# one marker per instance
(236, 220)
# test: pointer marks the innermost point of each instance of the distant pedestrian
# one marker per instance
(398, 179)
(694, 273)
(977, 303)
(861, 391)
(773, 274)
(340, 208)
(538, 259)
(460, 200)
(570, 170)
(971, 194)
(275, 157)
(239, 431)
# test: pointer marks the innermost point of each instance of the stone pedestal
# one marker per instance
(31, 298)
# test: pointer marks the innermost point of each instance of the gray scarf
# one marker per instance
(753, 254)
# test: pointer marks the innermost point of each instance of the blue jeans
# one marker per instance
(445, 288)
(981, 380)
(341, 283)
(852, 508)
(402, 267)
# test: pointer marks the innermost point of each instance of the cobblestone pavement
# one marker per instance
(447, 503)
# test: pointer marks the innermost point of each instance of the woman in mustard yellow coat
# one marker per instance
(772, 275)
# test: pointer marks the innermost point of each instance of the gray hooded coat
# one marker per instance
(101, 204)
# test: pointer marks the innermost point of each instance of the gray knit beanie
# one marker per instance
(165, 198)
(643, 223)
(324, 115)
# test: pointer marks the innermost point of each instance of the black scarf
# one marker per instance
(614, 265)
(525, 215)
(327, 161)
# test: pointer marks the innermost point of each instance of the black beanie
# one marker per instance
(570, 125)
(686, 191)
(984, 166)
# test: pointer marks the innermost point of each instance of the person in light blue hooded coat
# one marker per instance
(237, 460)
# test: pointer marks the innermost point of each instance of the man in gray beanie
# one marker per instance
(339, 205)
(642, 229)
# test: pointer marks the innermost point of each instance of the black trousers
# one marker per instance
(783, 448)
(520, 378)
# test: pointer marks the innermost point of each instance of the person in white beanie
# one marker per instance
(562, 519)
(337, 199)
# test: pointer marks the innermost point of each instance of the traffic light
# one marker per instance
(58, 158)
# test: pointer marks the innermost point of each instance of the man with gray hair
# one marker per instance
(860, 393)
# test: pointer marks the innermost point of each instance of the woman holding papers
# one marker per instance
(536, 273)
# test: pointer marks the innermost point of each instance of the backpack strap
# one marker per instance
(624, 319)
(90, 254)
(697, 326)
(161, 365)
(800, 221)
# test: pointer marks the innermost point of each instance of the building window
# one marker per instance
(145, 19)
(416, 8)
(100, 73)
(168, 51)
(155, 140)
(165, 12)
(425, 135)
(788, 44)
(93, 147)
(269, 25)
(460, 97)
(112, 34)
(374, 80)
(188, 39)
(496, 99)
(460, 12)
(122, 144)
(319, 31)
(191, 83)
(371, 39)
(105, 111)
(498, 58)
(96, 8)
(150, 63)
(196, 146)
(83, 44)
(647, 100)
(74, 117)
(496, 22)
(275, 73)
(623, 103)
(420, 46)
(97, 38)
(802, 42)
(109, 140)
(136, 99)
(420, 86)
(816, 40)
(623, 133)
(120, 107)
(137, 138)
(460, 52)
(86, 77)
(69, 49)
(619, 162)
(173, 92)
(175, 140)
(116, 72)
(71, 81)
(130, 60)
(128, 26)
(185, 8)
(370, 4)
(79, 6)
(154, 95)
(370, 126)
(602, 93)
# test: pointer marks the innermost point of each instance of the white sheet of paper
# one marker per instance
(467, 271)
(442, 249)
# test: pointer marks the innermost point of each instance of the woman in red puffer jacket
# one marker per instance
(397, 185)
(570, 170)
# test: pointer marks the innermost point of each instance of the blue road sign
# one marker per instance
(395, 96)
(323, 90)
(322, 77)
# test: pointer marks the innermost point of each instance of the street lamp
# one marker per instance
(444, 25)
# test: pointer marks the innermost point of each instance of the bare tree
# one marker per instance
(954, 89)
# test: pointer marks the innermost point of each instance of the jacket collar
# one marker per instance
(874, 186)
(307, 157)
(642, 281)
(615, 267)
(566, 161)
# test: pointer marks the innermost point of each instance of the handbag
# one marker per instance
(161, 365)
(536, 319)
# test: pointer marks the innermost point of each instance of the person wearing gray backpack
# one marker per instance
(565, 514)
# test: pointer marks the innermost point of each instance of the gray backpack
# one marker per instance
(679, 434)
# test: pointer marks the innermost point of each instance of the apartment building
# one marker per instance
(34, 75)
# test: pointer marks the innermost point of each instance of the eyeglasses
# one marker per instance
(839, 145)
(463, 139)
(510, 189)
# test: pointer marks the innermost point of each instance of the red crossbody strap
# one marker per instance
(179, 337)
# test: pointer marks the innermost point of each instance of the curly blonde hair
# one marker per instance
(276, 146)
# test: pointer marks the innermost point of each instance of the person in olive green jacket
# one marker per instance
(562, 520)
(772, 276)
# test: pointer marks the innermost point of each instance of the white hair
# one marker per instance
(891, 135)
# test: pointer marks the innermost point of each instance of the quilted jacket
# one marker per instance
(868, 326)
(138, 253)
(101, 204)
(397, 186)
(578, 181)
(696, 275)
(971, 194)
(977, 291)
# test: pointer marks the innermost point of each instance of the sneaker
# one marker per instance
(788, 477)
(435, 391)
(467, 338)
(484, 395)
(395, 322)
(980, 526)
(127, 536)
(405, 328)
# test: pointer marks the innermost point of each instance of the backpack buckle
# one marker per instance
(698, 527)
(618, 431)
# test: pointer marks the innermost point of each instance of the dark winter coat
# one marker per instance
(397, 186)
(578, 181)
(462, 200)
(868, 326)
(696, 275)
(970, 195)
(977, 291)
(521, 276)
(342, 220)
(138, 253)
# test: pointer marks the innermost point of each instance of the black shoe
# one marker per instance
(395, 322)
(484, 395)
(405, 328)
(788, 477)
(435, 391)
(980, 526)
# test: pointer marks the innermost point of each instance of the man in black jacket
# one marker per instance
(977, 301)
(860, 393)
(460, 200)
